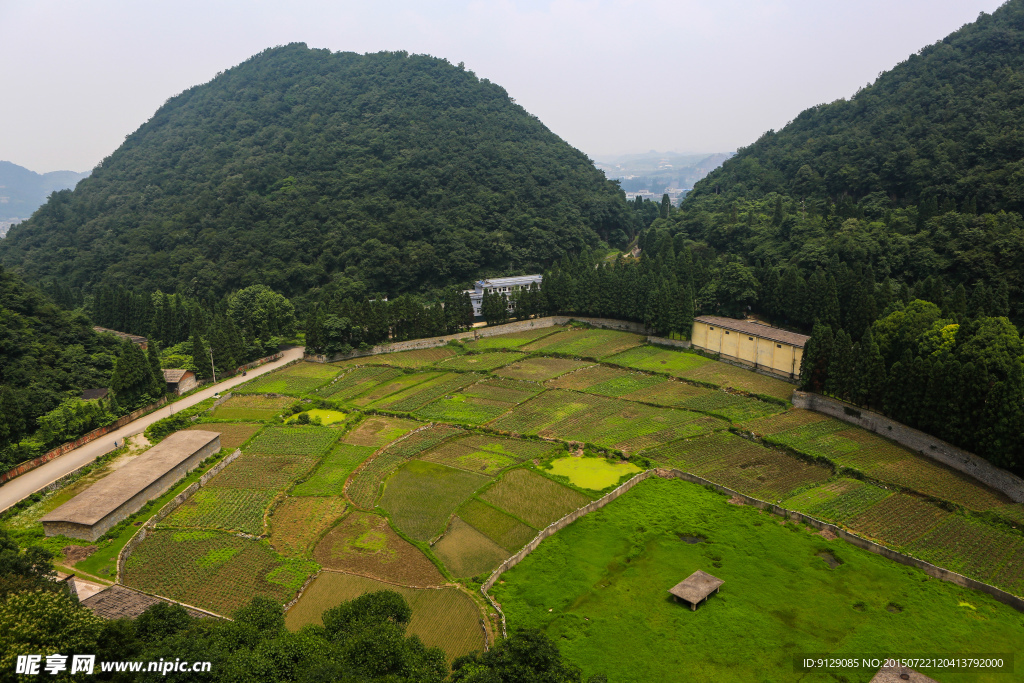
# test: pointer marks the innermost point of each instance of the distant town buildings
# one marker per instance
(675, 195)
(499, 285)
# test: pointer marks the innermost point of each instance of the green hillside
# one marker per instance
(303, 169)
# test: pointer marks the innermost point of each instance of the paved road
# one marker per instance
(30, 482)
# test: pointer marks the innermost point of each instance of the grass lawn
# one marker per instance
(600, 588)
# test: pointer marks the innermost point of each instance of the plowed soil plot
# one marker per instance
(838, 501)
(297, 523)
(446, 617)
(466, 552)
(971, 548)
(536, 500)
(503, 529)
(356, 381)
(480, 361)
(421, 497)
(293, 380)
(742, 465)
(512, 340)
(586, 343)
(376, 431)
(540, 369)
(251, 407)
(488, 454)
(413, 359)
(604, 421)
(898, 520)
(363, 543)
(216, 571)
(329, 477)
(231, 435)
(313, 441)
(272, 472)
(365, 486)
(230, 509)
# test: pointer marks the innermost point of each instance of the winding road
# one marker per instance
(30, 482)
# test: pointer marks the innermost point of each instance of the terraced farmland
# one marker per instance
(356, 381)
(512, 340)
(216, 571)
(313, 441)
(296, 523)
(536, 500)
(899, 519)
(329, 477)
(363, 543)
(421, 496)
(377, 391)
(271, 472)
(838, 501)
(365, 486)
(294, 380)
(505, 530)
(446, 618)
(586, 343)
(377, 431)
(971, 547)
(488, 454)
(231, 435)
(481, 362)
(420, 395)
(251, 407)
(540, 369)
(412, 359)
(230, 509)
(466, 552)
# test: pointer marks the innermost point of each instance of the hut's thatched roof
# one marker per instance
(696, 587)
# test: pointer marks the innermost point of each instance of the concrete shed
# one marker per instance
(91, 513)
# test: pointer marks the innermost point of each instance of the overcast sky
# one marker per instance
(610, 77)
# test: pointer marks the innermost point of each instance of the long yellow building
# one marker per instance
(755, 344)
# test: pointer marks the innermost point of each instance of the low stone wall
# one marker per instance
(29, 465)
(259, 362)
(929, 569)
(168, 508)
(220, 400)
(480, 333)
(665, 341)
(925, 444)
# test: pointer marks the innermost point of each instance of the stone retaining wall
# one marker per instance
(665, 341)
(925, 444)
(482, 332)
(929, 569)
(168, 508)
(260, 361)
(60, 450)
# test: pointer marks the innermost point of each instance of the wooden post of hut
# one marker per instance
(696, 587)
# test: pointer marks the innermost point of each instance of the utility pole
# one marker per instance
(213, 369)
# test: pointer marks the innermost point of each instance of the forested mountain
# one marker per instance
(23, 191)
(304, 169)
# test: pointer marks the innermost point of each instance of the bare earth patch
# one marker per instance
(827, 535)
(77, 553)
(735, 500)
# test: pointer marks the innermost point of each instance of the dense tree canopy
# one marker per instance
(304, 169)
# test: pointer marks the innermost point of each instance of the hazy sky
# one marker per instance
(610, 77)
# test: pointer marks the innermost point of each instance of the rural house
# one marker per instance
(180, 381)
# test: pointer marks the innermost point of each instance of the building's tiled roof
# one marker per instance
(91, 394)
(173, 376)
(755, 329)
(510, 281)
(120, 602)
(138, 339)
(117, 488)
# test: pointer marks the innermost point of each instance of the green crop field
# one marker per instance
(898, 520)
(293, 380)
(592, 473)
(972, 548)
(657, 359)
(216, 571)
(540, 369)
(412, 359)
(781, 422)
(271, 472)
(446, 618)
(501, 389)
(421, 496)
(466, 552)
(601, 589)
(512, 340)
(725, 375)
(365, 485)
(377, 431)
(251, 407)
(481, 362)
(604, 421)
(223, 508)
(839, 501)
(314, 441)
(583, 379)
(329, 477)
(488, 454)
(377, 391)
(232, 436)
(462, 409)
(503, 529)
(536, 500)
(363, 543)
(357, 380)
(296, 523)
(586, 343)
(422, 394)
(742, 465)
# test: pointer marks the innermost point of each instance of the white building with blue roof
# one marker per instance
(500, 285)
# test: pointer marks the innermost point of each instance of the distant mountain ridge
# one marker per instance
(23, 191)
(312, 171)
